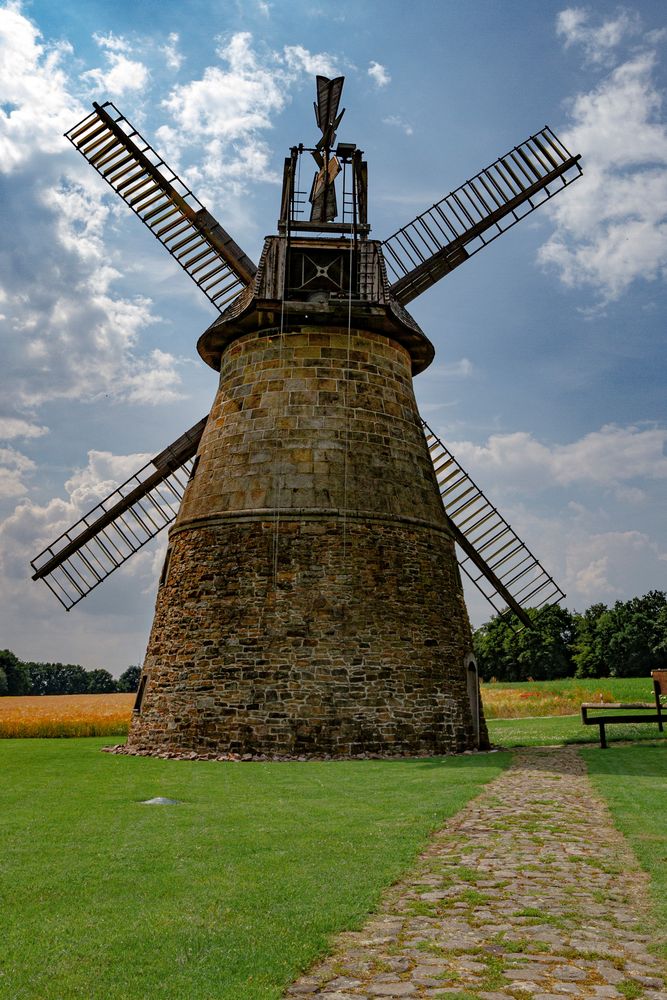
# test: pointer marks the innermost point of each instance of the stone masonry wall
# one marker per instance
(314, 419)
(312, 601)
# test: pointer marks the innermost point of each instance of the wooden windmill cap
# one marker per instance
(270, 303)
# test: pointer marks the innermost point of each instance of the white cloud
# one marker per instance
(610, 225)
(598, 42)
(13, 467)
(31, 527)
(601, 545)
(170, 51)
(110, 633)
(378, 74)
(155, 380)
(36, 104)
(15, 427)
(66, 334)
(300, 60)
(607, 458)
(611, 565)
(589, 564)
(122, 74)
(224, 113)
(111, 42)
(397, 122)
(229, 103)
(103, 474)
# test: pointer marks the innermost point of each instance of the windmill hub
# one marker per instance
(310, 601)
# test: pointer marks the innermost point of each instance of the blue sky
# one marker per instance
(549, 378)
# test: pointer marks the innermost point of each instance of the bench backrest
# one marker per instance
(659, 682)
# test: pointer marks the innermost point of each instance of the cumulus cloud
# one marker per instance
(607, 566)
(598, 41)
(111, 633)
(32, 526)
(36, 105)
(226, 112)
(122, 74)
(378, 74)
(608, 458)
(100, 477)
(67, 334)
(589, 564)
(610, 229)
(300, 60)
(13, 467)
(595, 546)
(15, 427)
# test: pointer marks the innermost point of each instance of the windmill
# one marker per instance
(310, 600)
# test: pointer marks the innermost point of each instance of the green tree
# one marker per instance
(588, 649)
(57, 678)
(16, 674)
(100, 682)
(3, 682)
(539, 653)
(129, 679)
(636, 636)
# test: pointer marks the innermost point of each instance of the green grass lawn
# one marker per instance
(564, 729)
(228, 896)
(633, 780)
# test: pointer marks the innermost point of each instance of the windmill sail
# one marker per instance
(476, 213)
(89, 551)
(500, 565)
(164, 203)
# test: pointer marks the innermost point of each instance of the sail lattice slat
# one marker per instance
(134, 513)
(164, 203)
(491, 554)
(475, 214)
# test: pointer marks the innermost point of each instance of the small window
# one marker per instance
(139, 700)
(165, 568)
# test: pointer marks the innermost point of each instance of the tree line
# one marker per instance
(18, 677)
(626, 640)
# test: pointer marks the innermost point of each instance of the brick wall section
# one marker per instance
(338, 626)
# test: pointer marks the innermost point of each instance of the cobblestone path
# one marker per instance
(528, 893)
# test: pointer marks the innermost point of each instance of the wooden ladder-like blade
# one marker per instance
(492, 555)
(164, 203)
(105, 538)
(475, 214)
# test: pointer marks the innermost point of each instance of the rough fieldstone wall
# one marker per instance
(336, 625)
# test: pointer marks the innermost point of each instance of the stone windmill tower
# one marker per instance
(311, 599)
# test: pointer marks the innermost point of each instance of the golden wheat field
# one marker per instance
(109, 714)
(66, 715)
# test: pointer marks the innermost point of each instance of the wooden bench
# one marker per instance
(593, 713)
